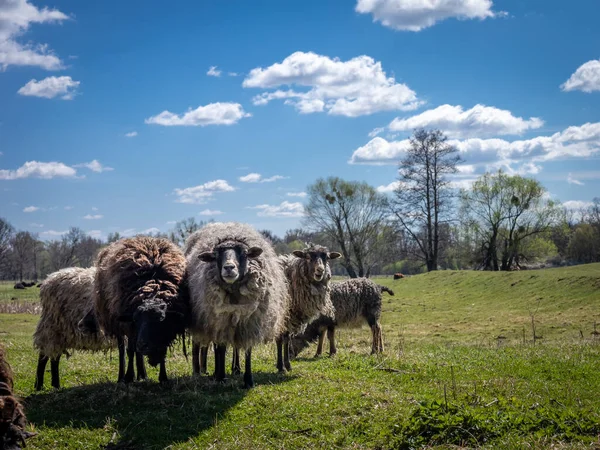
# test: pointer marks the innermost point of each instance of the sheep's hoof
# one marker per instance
(281, 370)
(317, 355)
(288, 367)
(248, 382)
(332, 354)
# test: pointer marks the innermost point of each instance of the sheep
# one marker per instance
(308, 275)
(398, 276)
(355, 300)
(140, 295)
(12, 414)
(19, 286)
(66, 297)
(238, 292)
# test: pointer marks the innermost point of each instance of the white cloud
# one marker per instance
(53, 233)
(95, 166)
(573, 142)
(210, 212)
(376, 132)
(200, 194)
(171, 222)
(466, 168)
(68, 208)
(257, 178)
(387, 188)
(152, 230)
(462, 184)
(31, 209)
(96, 234)
(36, 225)
(51, 87)
(577, 204)
(479, 121)
(131, 134)
(232, 74)
(36, 169)
(415, 15)
(572, 180)
(213, 72)
(285, 209)
(211, 114)
(586, 78)
(93, 216)
(297, 194)
(350, 88)
(16, 16)
(94, 208)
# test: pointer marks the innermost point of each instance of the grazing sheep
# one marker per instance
(12, 414)
(139, 296)
(355, 301)
(308, 275)
(66, 297)
(398, 276)
(238, 292)
(19, 286)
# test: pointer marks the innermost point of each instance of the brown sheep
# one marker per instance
(398, 276)
(139, 296)
(12, 414)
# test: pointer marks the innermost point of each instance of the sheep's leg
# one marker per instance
(280, 368)
(203, 360)
(130, 375)
(162, 373)
(320, 344)
(236, 368)
(248, 379)
(140, 366)
(379, 338)
(41, 368)
(286, 352)
(121, 345)
(331, 338)
(54, 372)
(195, 359)
(220, 353)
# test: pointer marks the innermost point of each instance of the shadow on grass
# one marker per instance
(144, 414)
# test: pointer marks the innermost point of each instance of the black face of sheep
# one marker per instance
(232, 260)
(317, 258)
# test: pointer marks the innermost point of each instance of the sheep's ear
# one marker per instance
(254, 252)
(299, 253)
(126, 318)
(334, 255)
(207, 256)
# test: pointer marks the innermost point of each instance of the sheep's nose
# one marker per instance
(229, 266)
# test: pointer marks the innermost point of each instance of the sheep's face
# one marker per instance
(231, 260)
(317, 259)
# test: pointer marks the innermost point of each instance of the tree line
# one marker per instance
(501, 222)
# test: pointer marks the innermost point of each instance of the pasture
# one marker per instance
(461, 368)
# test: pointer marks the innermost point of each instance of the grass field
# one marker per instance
(461, 369)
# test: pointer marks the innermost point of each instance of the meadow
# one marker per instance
(472, 359)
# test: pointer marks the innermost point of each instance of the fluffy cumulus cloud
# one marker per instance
(352, 88)
(285, 209)
(36, 169)
(51, 87)
(213, 72)
(258, 178)
(211, 114)
(93, 216)
(577, 204)
(16, 17)
(573, 180)
(586, 78)
(480, 120)
(210, 212)
(415, 15)
(574, 142)
(30, 209)
(202, 193)
(388, 188)
(95, 166)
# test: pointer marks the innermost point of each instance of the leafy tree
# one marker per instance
(584, 246)
(6, 234)
(423, 197)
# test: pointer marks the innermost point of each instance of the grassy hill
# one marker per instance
(444, 380)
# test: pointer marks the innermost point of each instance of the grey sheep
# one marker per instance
(308, 275)
(66, 297)
(238, 292)
(355, 301)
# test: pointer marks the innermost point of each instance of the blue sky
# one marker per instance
(128, 116)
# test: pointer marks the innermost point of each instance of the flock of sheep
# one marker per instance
(227, 287)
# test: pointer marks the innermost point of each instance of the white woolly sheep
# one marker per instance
(238, 292)
(308, 274)
(355, 301)
(66, 297)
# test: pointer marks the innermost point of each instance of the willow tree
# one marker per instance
(351, 214)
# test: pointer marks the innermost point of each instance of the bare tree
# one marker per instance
(184, 228)
(6, 234)
(86, 250)
(350, 214)
(22, 245)
(63, 253)
(423, 197)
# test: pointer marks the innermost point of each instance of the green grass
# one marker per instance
(445, 380)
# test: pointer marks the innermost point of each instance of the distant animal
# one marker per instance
(238, 293)
(39, 285)
(139, 295)
(28, 283)
(12, 413)
(398, 275)
(66, 297)
(356, 301)
(19, 286)
(308, 275)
